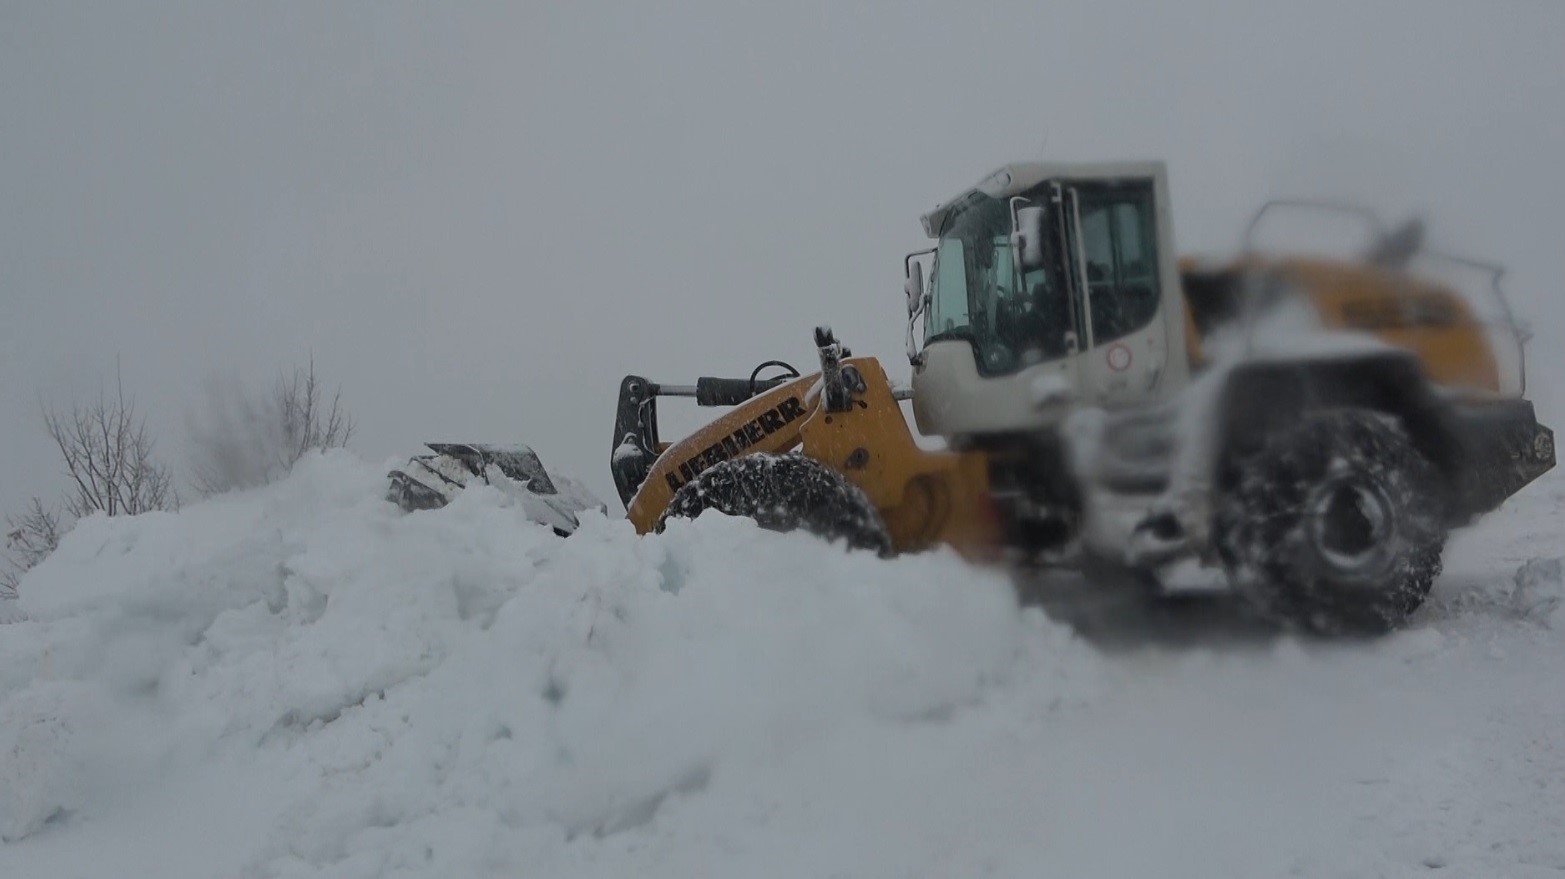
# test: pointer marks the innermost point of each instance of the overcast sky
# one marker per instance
(480, 216)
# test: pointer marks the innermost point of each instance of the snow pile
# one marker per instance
(450, 691)
(301, 681)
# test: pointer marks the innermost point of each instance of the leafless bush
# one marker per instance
(308, 420)
(29, 539)
(247, 441)
(108, 456)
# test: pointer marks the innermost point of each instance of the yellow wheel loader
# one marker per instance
(1313, 428)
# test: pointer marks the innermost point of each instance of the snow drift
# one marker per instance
(463, 675)
(303, 681)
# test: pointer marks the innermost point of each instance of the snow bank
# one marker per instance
(301, 681)
(447, 690)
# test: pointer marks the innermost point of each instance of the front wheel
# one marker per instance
(1335, 524)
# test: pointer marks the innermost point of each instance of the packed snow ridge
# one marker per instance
(303, 681)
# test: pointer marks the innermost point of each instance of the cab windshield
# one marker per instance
(1012, 320)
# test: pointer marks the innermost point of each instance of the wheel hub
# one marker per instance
(1351, 525)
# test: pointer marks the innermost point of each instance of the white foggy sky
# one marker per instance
(480, 216)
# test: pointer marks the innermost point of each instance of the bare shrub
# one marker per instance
(309, 421)
(108, 457)
(29, 539)
(246, 441)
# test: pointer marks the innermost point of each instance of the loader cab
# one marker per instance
(1048, 285)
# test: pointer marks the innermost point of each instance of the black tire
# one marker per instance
(1336, 524)
(784, 493)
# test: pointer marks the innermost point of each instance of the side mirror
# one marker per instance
(914, 288)
(1030, 220)
(917, 301)
(1026, 235)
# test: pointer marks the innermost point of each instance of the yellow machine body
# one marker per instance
(925, 497)
(1430, 320)
(1098, 238)
(932, 497)
(1434, 322)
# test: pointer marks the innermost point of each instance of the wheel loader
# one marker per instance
(1312, 428)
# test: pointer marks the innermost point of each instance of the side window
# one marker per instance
(1118, 230)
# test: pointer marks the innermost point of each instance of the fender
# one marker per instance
(1266, 395)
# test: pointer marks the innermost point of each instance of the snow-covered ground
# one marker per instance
(301, 681)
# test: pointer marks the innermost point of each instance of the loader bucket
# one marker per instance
(517, 462)
(429, 482)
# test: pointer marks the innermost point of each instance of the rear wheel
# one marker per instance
(1335, 524)
(784, 493)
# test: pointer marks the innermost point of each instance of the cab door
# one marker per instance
(1116, 263)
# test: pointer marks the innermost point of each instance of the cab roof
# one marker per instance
(1018, 177)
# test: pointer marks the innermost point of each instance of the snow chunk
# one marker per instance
(1538, 590)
